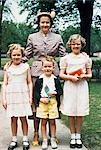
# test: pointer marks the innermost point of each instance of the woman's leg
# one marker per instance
(36, 130)
(36, 121)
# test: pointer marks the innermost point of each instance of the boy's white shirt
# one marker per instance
(49, 81)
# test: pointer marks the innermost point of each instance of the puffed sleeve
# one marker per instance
(61, 48)
(89, 63)
(63, 62)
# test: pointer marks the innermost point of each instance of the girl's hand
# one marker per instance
(74, 78)
(82, 76)
(44, 100)
(4, 103)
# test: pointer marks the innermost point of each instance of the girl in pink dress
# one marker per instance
(75, 69)
(17, 93)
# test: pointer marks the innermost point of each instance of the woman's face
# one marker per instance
(76, 46)
(45, 24)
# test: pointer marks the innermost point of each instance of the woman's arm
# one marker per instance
(61, 48)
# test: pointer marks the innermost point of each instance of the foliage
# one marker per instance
(91, 131)
(14, 33)
(96, 69)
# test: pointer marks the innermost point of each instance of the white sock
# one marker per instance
(78, 136)
(14, 138)
(73, 136)
(25, 138)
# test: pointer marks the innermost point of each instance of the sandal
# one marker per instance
(35, 139)
(12, 145)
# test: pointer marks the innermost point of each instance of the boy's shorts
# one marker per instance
(49, 110)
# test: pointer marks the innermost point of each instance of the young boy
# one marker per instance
(47, 95)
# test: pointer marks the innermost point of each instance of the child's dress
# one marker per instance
(76, 95)
(17, 91)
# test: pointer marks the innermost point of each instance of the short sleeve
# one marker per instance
(89, 63)
(63, 62)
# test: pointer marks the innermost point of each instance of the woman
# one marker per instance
(39, 45)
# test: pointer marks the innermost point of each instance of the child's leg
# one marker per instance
(53, 133)
(25, 132)
(44, 133)
(79, 121)
(14, 127)
(52, 127)
(71, 120)
(72, 127)
(24, 125)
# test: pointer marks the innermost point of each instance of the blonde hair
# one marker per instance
(75, 37)
(9, 53)
(48, 58)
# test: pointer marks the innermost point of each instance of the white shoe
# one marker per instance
(53, 143)
(44, 144)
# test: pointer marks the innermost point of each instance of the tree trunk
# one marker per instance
(86, 13)
(2, 3)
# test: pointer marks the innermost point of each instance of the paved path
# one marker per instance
(5, 134)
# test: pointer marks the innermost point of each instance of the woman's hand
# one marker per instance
(44, 100)
(4, 104)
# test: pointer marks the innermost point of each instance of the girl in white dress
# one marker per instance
(75, 68)
(17, 93)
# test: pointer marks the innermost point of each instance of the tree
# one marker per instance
(2, 3)
(67, 11)
(14, 33)
(86, 12)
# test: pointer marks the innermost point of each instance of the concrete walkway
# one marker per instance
(63, 134)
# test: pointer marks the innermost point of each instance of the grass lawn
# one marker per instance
(91, 131)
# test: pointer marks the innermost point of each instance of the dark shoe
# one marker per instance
(26, 146)
(31, 117)
(11, 147)
(72, 143)
(78, 143)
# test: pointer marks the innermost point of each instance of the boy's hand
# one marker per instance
(52, 93)
(44, 100)
(4, 103)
